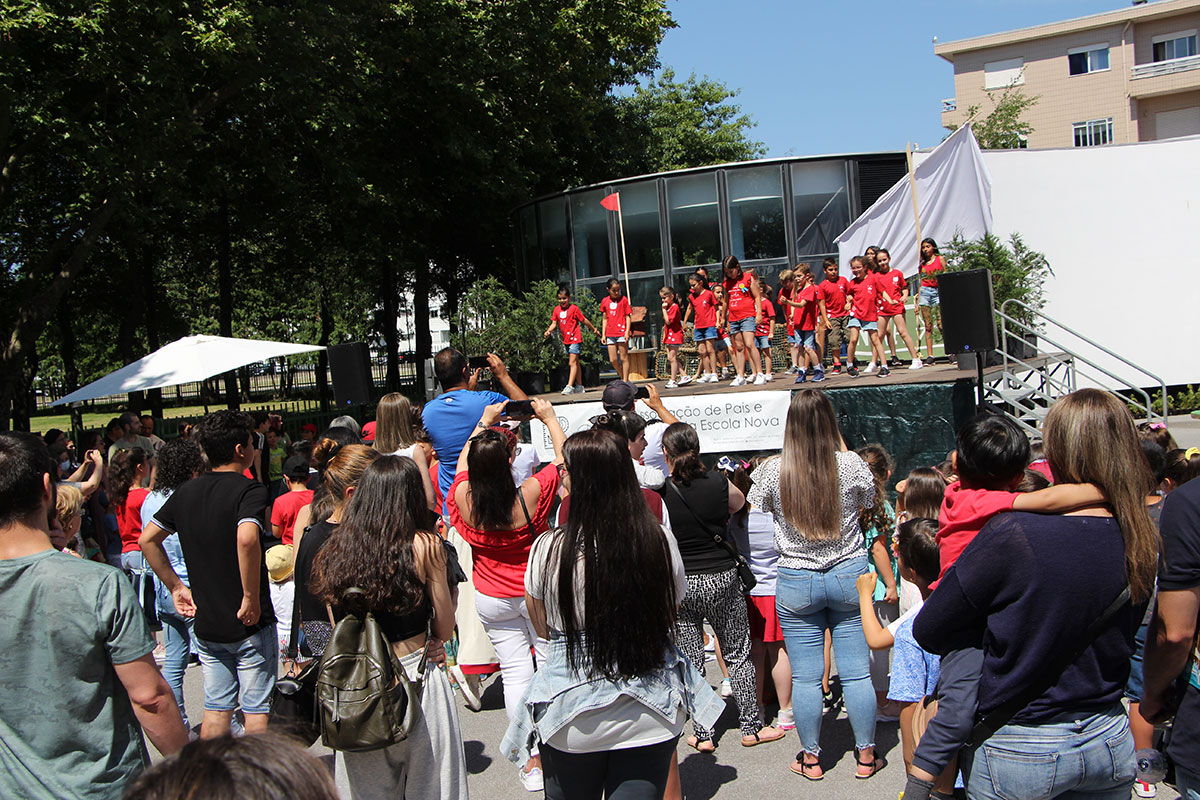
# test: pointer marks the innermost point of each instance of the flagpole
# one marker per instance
(621, 227)
(912, 185)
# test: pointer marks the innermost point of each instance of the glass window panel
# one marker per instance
(643, 291)
(695, 222)
(756, 213)
(556, 246)
(1099, 59)
(589, 225)
(1077, 63)
(1159, 51)
(822, 205)
(527, 223)
(639, 207)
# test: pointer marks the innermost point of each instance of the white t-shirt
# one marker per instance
(653, 456)
(627, 722)
(649, 477)
(524, 463)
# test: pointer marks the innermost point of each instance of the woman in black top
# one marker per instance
(384, 547)
(699, 503)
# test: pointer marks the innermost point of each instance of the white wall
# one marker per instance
(1120, 226)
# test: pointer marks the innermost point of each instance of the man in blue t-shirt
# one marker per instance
(450, 417)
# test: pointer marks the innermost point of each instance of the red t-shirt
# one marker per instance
(499, 558)
(741, 296)
(963, 514)
(704, 306)
(673, 326)
(570, 323)
(834, 293)
(930, 271)
(786, 294)
(285, 510)
(862, 296)
(893, 283)
(805, 318)
(615, 314)
(129, 520)
(768, 314)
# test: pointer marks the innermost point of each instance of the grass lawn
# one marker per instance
(97, 420)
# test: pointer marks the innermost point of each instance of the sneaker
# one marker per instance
(768, 376)
(726, 689)
(568, 390)
(579, 388)
(801, 378)
(786, 721)
(870, 369)
(818, 376)
(837, 369)
(685, 380)
(760, 379)
(884, 372)
(725, 373)
(916, 364)
(895, 361)
(1143, 789)
(532, 780)
(711, 378)
(738, 381)
(672, 385)
(852, 371)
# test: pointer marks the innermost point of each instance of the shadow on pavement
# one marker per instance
(703, 775)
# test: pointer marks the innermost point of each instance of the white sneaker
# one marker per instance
(532, 780)
(769, 376)
(760, 379)
(738, 381)
(786, 721)
(672, 385)
(579, 388)
(568, 390)
(685, 380)
(726, 688)
(870, 369)
(916, 364)
(1143, 789)
(710, 378)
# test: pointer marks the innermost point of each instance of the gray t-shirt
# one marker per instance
(67, 729)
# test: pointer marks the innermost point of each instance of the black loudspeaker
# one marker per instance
(350, 367)
(968, 311)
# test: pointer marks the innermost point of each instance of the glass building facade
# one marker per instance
(770, 214)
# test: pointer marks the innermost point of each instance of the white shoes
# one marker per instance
(769, 376)
(684, 380)
(672, 385)
(760, 379)
(726, 688)
(532, 780)
(579, 389)
(738, 381)
(916, 364)
(870, 369)
(568, 390)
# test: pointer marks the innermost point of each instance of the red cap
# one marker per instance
(308, 426)
(368, 432)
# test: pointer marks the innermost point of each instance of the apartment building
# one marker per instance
(1130, 75)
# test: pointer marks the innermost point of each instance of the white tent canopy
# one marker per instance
(191, 359)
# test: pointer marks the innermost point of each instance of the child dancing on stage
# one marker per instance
(569, 320)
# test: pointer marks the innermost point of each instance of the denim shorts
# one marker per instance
(615, 340)
(240, 672)
(928, 296)
(1133, 686)
(575, 349)
(762, 342)
(746, 325)
(807, 339)
(704, 334)
(794, 339)
(855, 322)
(721, 343)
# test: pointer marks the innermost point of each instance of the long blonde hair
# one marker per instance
(394, 426)
(1089, 437)
(808, 464)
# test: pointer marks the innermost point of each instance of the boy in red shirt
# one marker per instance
(807, 308)
(570, 319)
(893, 293)
(742, 308)
(704, 303)
(618, 319)
(672, 334)
(787, 280)
(287, 506)
(861, 304)
(832, 334)
(765, 329)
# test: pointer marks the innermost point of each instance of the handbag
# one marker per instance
(743, 566)
(294, 698)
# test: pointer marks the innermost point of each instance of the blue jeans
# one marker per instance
(1187, 784)
(177, 635)
(1087, 756)
(240, 672)
(808, 602)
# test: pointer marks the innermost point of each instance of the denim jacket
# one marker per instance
(558, 694)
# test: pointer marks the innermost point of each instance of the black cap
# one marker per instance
(619, 395)
(296, 468)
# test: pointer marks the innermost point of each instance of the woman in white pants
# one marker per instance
(500, 521)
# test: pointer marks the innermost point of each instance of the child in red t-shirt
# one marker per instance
(672, 334)
(765, 329)
(893, 292)
(864, 314)
(287, 506)
(570, 319)
(705, 305)
(618, 319)
(807, 308)
(928, 300)
(721, 344)
(787, 280)
(831, 335)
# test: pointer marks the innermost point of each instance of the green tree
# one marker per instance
(1002, 128)
(1018, 272)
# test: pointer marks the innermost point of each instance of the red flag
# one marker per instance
(612, 202)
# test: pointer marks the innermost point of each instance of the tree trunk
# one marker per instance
(24, 401)
(125, 331)
(423, 343)
(391, 314)
(150, 305)
(322, 376)
(225, 291)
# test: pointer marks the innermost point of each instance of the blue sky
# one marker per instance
(843, 76)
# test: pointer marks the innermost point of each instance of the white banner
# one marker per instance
(730, 422)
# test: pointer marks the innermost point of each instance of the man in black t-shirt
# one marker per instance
(1170, 645)
(219, 517)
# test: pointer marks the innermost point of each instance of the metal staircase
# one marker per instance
(1031, 380)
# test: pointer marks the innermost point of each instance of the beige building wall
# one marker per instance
(1148, 109)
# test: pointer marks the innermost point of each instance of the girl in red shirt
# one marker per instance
(893, 291)
(928, 300)
(618, 319)
(766, 328)
(743, 313)
(672, 334)
(126, 472)
(570, 321)
(704, 303)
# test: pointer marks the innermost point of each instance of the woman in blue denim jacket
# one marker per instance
(610, 702)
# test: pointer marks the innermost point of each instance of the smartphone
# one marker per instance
(477, 362)
(518, 408)
(641, 393)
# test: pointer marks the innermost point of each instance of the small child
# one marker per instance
(1182, 466)
(672, 335)
(808, 306)
(618, 319)
(877, 524)
(287, 505)
(1157, 432)
(703, 303)
(864, 315)
(766, 328)
(570, 319)
(917, 496)
(721, 344)
(989, 460)
(832, 334)
(787, 280)
(276, 453)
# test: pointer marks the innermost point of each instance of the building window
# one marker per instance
(1174, 45)
(756, 213)
(1082, 60)
(1093, 132)
(694, 219)
(1002, 74)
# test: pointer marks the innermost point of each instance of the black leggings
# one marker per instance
(635, 773)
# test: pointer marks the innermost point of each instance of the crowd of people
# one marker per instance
(998, 606)
(824, 315)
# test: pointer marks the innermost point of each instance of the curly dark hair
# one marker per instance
(121, 473)
(879, 461)
(178, 461)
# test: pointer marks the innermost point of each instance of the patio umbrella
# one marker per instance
(190, 359)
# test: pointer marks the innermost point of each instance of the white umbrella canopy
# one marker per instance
(190, 359)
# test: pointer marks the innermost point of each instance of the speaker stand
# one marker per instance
(980, 357)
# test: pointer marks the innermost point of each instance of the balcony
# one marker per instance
(1165, 77)
(1169, 67)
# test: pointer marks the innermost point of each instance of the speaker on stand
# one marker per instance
(350, 368)
(968, 316)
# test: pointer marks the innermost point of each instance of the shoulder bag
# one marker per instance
(743, 566)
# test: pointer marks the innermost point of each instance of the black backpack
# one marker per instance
(365, 700)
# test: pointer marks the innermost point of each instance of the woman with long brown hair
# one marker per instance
(126, 471)
(1029, 585)
(816, 490)
(396, 425)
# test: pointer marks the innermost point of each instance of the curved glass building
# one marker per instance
(770, 213)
